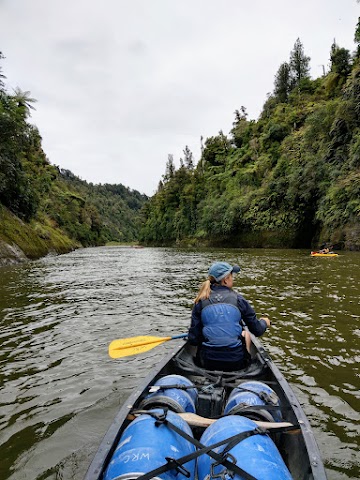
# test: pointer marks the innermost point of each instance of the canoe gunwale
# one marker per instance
(316, 463)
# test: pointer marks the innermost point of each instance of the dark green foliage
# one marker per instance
(241, 131)
(340, 60)
(289, 179)
(17, 145)
(341, 66)
(283, 83)
(216, 150)
(357, 37)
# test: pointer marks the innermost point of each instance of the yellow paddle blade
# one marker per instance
(134, 345)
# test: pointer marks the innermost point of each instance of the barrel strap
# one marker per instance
(166, 387)
(242, 407)
(203, 388)
(220, 458)
(245, 406)
(271, 398)
(261, 431)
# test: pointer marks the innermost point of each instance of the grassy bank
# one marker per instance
(20, 241)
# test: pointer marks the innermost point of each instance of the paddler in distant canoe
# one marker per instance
(325, 249)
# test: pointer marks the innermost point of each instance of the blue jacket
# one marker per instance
(216, 324)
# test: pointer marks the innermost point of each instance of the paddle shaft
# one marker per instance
(148, 342)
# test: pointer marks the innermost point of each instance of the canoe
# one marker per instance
(317, 254)
(187, 422)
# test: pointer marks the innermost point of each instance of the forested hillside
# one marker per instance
(289, 179)
(44, 208)
(115, 208)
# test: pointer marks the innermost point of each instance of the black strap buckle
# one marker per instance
(261, 430)
(225, 472)
(269, 398)
(174, 464)
(160, 418)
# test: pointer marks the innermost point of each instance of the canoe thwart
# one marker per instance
(198, 421)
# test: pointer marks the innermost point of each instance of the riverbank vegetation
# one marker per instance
(289, 179)
(44, 208)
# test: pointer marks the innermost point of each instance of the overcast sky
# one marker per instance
(120, 84)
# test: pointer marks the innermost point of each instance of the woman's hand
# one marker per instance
(267, 320)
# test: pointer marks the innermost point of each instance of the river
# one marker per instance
(59, 390)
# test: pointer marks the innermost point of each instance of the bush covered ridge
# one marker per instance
(289, 179)
(44, 208)
(96, 214)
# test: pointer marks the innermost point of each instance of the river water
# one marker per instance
(59, 390)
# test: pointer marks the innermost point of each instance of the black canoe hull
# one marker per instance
(299, 450)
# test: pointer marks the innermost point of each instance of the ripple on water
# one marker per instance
(60, 391)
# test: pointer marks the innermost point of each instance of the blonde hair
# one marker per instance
(205, 289)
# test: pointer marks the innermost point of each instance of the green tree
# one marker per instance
(24, 101)
(283, 82)
(299, 63)
(240, 115)
(188, 158)
(170, 168)
(17, 144)
(240, 128)
(340, 60)
(216, 150)
(357, 38)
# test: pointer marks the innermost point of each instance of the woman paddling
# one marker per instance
(217, 321)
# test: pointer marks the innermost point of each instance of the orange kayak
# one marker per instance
(317, 254)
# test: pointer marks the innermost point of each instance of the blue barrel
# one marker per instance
(175, 399)
(143, 447)
(254, 393)
(257, 455)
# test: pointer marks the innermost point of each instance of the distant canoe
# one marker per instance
(317, 254)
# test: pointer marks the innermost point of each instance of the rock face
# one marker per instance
(11, 254)
(352, 238)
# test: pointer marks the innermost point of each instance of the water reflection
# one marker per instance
(60, 391)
